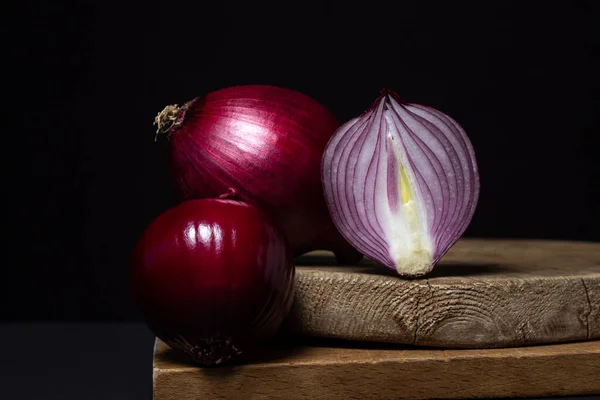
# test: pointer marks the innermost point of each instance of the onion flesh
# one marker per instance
(401, 183)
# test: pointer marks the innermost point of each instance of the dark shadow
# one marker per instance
(273, 352)
(313, 341)
(280, 348)
(327, 259)
(175, 356)
(456, 269)
(328, 262)
(300, 341)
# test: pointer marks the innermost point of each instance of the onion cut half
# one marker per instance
(401, 183)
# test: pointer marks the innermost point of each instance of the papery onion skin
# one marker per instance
(266, 143)
(213, 278)
(401, 182)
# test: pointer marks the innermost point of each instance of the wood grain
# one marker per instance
(370, 372)
(483, 294)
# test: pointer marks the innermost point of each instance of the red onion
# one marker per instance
(401, 183)
(213, 278)
(265, 143)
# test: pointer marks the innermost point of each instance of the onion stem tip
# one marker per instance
(169, 118)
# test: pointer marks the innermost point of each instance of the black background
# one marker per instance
(83, 81)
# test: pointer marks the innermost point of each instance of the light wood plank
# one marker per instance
(332, 373)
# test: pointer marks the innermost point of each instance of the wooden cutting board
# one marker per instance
(483, 294)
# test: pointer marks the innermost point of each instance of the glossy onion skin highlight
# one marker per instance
(401, 183)
(266, 143)
(213, 278)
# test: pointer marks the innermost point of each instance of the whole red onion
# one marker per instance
(265, 143)
(213, 278)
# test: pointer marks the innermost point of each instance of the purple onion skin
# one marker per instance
(213, 278)
(401, 183)
(266, 144)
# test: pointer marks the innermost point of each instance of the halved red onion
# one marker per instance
(401, 183)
